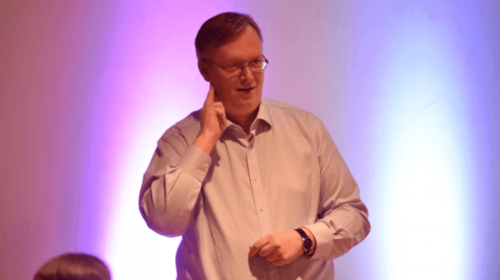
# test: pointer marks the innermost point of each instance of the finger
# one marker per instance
(202, 113)
(255, 248)
(210, 96)
(224, 119)
(214, 110)
(272, 258)
(267, 250)
(221, 114)
(253, 251)
(279, 263)
(218, 104)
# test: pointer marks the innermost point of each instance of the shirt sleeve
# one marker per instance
(343, 217)
(172, 184)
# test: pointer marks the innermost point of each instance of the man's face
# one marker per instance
(240, 94)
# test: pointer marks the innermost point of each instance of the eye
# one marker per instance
(256, 65)
(231, 68)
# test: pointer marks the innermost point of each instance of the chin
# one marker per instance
(249, 105)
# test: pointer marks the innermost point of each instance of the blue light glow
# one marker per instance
(423, 171)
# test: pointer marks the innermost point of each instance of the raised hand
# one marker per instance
(279, 248)
(213, 116)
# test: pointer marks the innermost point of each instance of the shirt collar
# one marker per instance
(263, 115)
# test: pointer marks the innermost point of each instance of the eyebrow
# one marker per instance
(237, 61)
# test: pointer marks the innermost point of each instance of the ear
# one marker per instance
(203, 67)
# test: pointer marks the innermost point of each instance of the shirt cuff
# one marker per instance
(324, 241)
(195, 162)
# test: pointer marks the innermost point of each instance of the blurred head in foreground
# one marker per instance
(72, 266)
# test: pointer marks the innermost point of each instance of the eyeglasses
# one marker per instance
(237, 68)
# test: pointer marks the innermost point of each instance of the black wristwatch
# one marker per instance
(306, 241)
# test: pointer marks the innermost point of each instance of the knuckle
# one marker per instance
(273, 239)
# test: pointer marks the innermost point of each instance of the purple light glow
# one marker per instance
(150, 81)
(409, 92)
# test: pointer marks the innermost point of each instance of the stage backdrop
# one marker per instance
(409, 90)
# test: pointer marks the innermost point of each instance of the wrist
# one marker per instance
(313, 239)
(205, 142)
(307, 241)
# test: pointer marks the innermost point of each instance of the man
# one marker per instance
(256, 188)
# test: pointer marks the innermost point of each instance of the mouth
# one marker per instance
(245, 89)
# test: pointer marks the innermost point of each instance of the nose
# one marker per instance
(246, 73)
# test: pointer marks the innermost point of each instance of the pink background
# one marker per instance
(408, 90)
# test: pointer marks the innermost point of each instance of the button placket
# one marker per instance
(258, 193)
(273, 272)
(260, 202)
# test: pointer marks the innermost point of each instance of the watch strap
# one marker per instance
(306, 241)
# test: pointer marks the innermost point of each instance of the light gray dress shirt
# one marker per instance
(289, 175)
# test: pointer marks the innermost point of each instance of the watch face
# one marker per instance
(308, 244)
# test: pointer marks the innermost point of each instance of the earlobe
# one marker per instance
(203, 67)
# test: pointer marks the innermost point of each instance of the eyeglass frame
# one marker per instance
(242, 65)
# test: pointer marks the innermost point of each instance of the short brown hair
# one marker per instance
(72, 266)
(221, 28)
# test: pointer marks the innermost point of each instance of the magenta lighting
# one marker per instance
(409, 91)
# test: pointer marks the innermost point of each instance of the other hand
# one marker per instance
(279, 248)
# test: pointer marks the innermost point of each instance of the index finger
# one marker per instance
(257, 246)
(210, 96)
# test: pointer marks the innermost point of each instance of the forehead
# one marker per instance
(243, 47)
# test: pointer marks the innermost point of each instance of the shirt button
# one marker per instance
(202, 173)
(206, 164)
